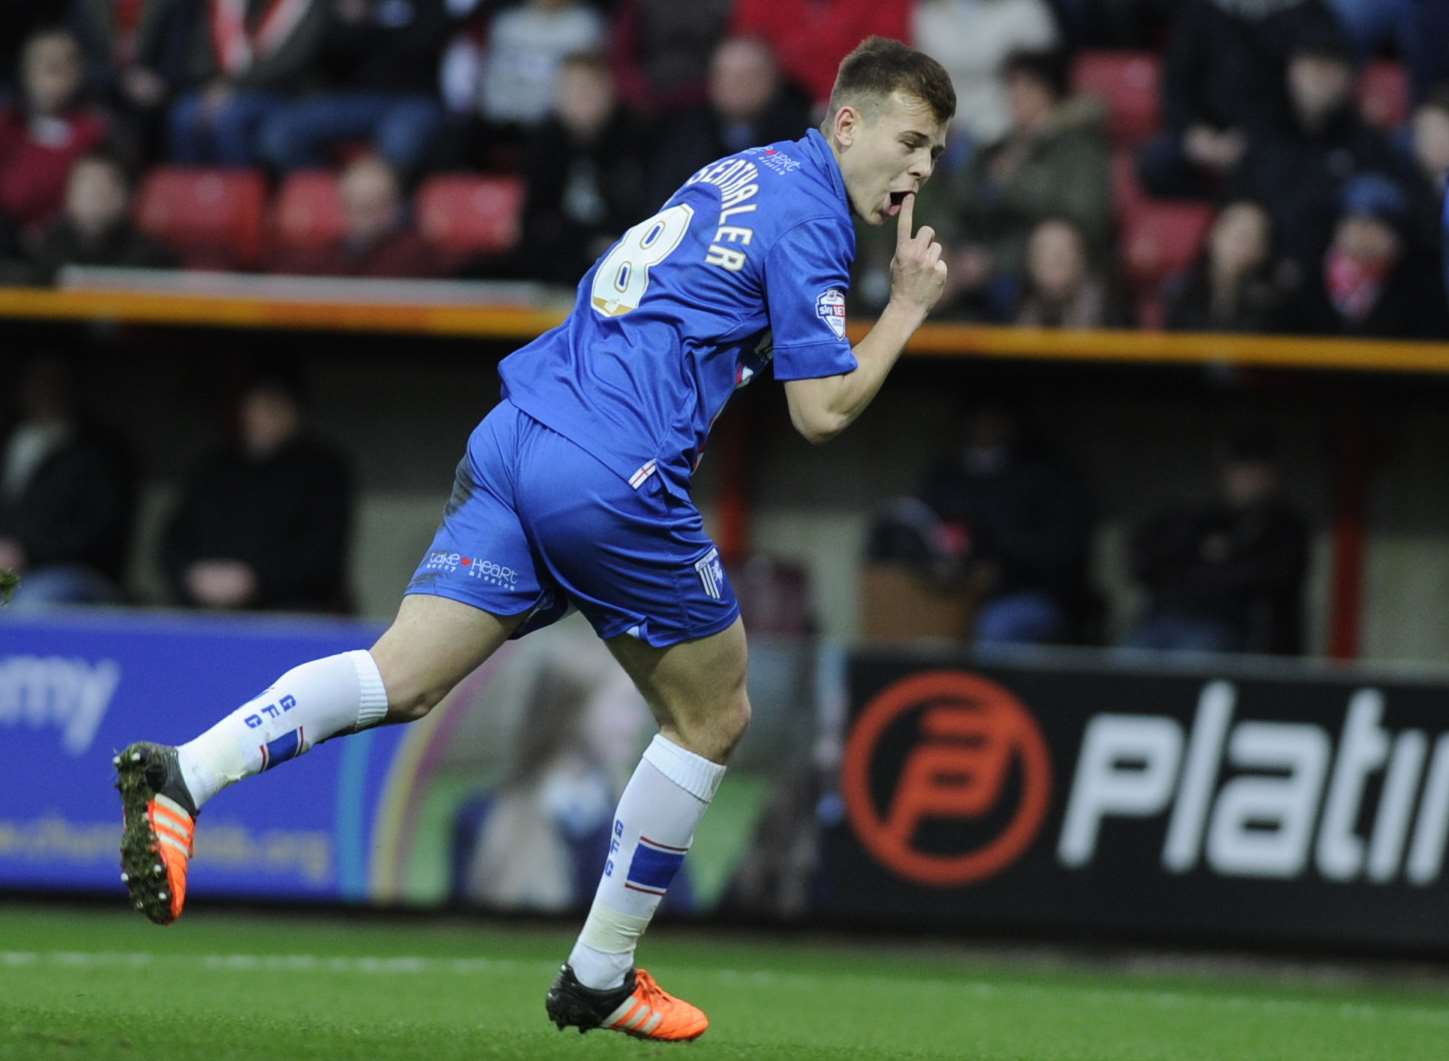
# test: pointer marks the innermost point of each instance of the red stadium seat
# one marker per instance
(1129, 83)
(211, 218)
(1383, 95)
(308, 211)
(1161, 238)
(463, 215)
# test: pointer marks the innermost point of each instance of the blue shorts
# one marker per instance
(537, 525)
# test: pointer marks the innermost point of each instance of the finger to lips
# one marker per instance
(903, 220)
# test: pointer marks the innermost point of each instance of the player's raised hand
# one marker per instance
(918, 273)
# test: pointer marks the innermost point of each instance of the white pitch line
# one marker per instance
(415, 966)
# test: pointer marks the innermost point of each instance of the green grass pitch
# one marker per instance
(83, 983)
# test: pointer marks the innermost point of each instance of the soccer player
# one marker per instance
(574, 493)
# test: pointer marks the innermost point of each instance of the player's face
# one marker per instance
(886, 153)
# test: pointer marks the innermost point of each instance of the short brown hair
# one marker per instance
(880, 66)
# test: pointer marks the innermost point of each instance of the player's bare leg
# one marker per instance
(432, 645)
(697, 692)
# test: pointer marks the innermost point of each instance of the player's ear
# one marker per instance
(845, 124)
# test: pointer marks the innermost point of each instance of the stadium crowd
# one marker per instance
(1239, 165)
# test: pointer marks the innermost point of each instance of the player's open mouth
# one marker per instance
(897, 200)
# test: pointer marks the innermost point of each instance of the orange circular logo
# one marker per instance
(970, 735)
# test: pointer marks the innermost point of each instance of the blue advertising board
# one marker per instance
(77, 686)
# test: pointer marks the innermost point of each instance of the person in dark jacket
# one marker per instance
(1021, 523)
(1299, 167)
(1227, 575)
(1222, 84)
(380, 69)
(1230, 288)
(585, 174)
(749, 104)
(95, 226)
(67, 495)
(264, 524)
(1379, 277)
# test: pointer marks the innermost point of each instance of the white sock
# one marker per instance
(308, 704)
(653, 829)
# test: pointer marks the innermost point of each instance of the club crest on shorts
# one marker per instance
(711, 573)
(830, 307)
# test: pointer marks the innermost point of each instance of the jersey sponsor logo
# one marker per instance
(971, 791)
(474, 567)
(711, 574)
(830, 307)
(775, 159)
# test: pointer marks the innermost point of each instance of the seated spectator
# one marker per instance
(1378, 277)
(136, 52)
(660, 50)
(1230, 288)
(95, 226)
(380, 65)
(1052, 163)
(1430, 141)
(249, 56)
(999, 518)
(1226, 575)
(263, 523)
(378, 237)
(1222, 83)
(748, 105)
(508, 80)
(46, 130)
(972, 39)
(1062, 291)
(810, 38)
(1298, 168)
(585, 176)
(67, 498)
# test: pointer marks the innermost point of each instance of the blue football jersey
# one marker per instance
(744, 268)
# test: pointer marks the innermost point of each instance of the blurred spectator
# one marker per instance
(380, 65)
(378, 238)
(95, 225)
(1377, 277)
(971, 39)
(1053, 163)
(147, 52)
(264, 523)
(248, 57)
(44, 131)
(999, 517)
(810, 37)
(1298, 168)
(1430, 141)
(1062, 290)
(585, 176)
(1226, 575)
(510, 78)
(1417, 29)
(1223, 82)
(748, 105)
(67, 498)
(1230, 288)
(661, 49)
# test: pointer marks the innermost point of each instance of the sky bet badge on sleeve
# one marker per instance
(830, 307)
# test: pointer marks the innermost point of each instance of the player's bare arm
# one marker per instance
(822, 408)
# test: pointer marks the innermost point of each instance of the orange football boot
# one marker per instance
(157, 838)
(639, 1007)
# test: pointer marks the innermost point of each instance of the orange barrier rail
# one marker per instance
(521, 323)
